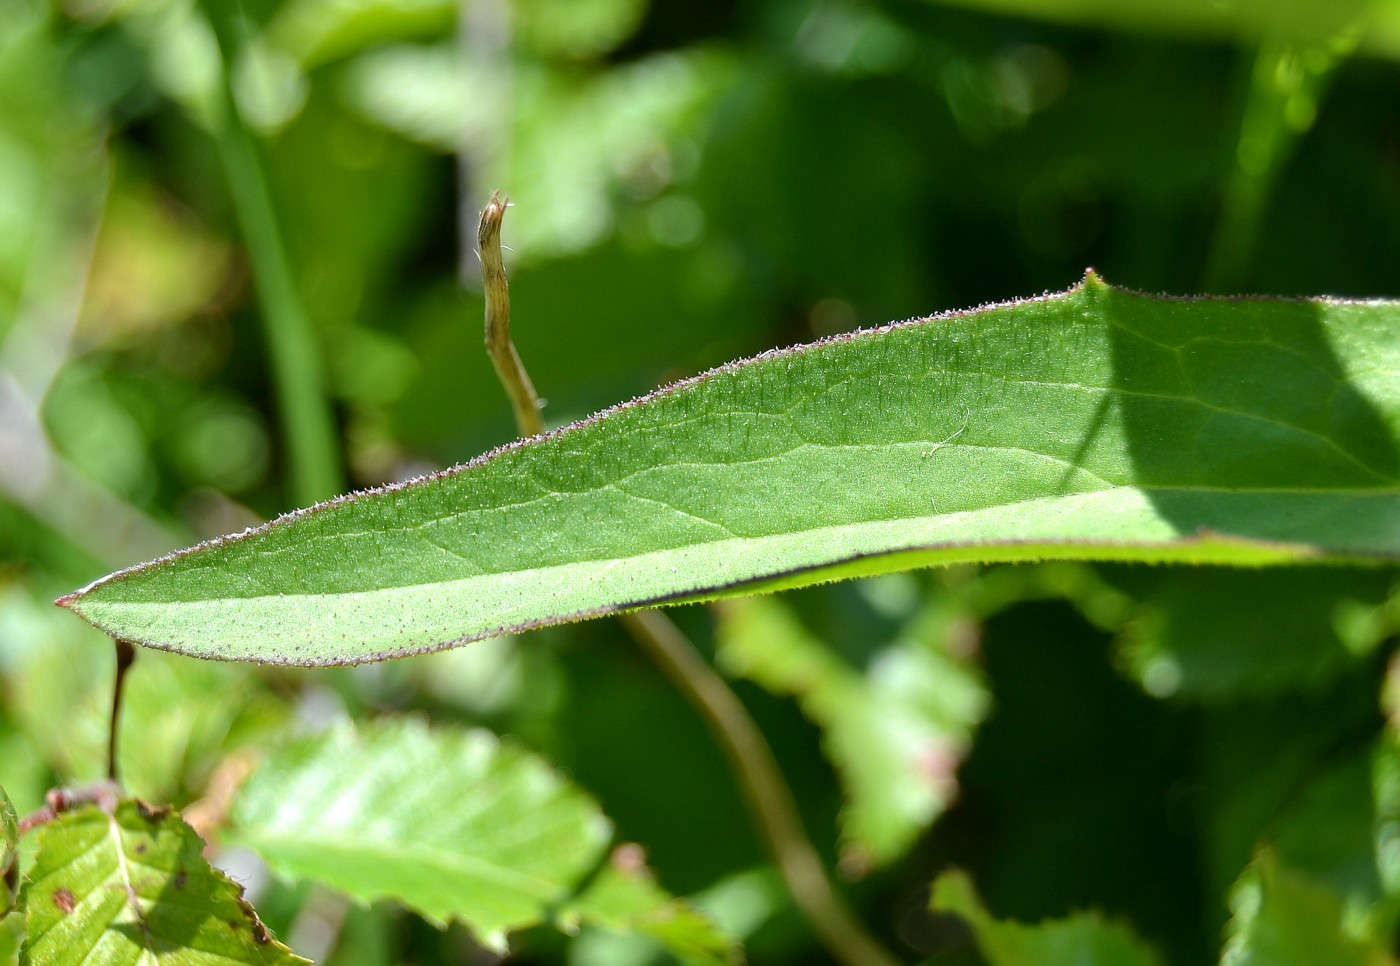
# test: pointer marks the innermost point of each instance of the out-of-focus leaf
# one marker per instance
(451, 823)
(9, 830)
(1328, 830)
(1220, 635)
(133, 887)
(625, 898)
(316, 31)
(1093, 424)
(1082, 938)
(9, 842)
(1281, 918)
(571, 143)
(895, 733)
(1377, 22)
(575, 28)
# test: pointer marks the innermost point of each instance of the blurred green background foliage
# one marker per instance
(695, 183)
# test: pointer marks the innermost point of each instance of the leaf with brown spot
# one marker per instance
(103, 890)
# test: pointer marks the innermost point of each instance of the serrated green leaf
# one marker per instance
(1093, 424)
(132, 886)
(624, 898)
(895, 733)
(452, 823)
(1281, 918)
(1082, 938)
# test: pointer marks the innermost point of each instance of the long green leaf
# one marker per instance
(451, 823)
(132, 886)
(1093, 424)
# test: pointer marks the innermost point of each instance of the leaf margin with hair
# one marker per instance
(54, 901)
(275, 813)
(621, 510)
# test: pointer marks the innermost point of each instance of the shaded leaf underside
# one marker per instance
(1094, 424)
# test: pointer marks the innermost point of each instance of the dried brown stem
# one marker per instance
(499, 346)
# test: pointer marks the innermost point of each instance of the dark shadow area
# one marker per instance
(1239, 419)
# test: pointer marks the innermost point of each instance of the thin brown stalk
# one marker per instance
(766, 793)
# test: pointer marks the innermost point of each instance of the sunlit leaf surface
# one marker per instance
(451, 823)
(133, 887)
(1096, 423)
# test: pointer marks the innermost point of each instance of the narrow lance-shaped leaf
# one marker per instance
(1094, 424)
(132, 886)
(451, 823)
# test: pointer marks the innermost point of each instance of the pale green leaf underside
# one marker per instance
(451, 823)
(133, 887)
(1094, 424)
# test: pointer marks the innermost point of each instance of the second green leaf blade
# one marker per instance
(1096, 424)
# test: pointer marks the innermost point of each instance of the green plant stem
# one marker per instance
(311, 439)
(766, 793)
(126, 656)
(769, 798)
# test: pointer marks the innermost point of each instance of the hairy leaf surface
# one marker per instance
(1093, 424)
(451, 823)
(132, 887)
